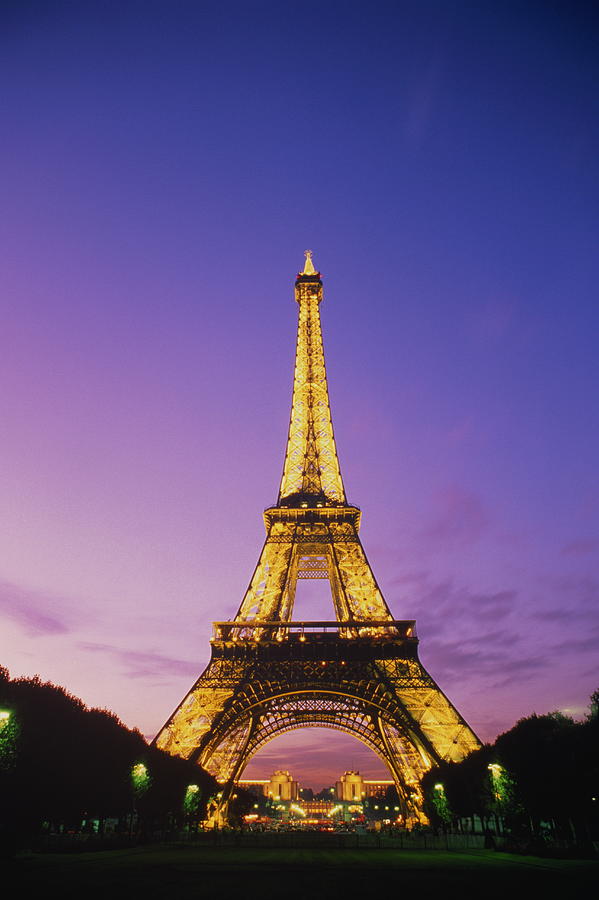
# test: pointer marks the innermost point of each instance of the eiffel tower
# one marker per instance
(359, 673)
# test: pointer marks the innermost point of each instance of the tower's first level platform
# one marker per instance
(326, 641)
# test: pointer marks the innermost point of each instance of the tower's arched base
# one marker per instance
(370, 685)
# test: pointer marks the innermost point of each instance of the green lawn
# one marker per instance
(289, 874)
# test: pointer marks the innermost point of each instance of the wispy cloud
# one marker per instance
(588, 644)
(575, 591)
(581, 547)
(441, 603)
(37, 612)
(143, 664)
(520, 669)
(460, 518)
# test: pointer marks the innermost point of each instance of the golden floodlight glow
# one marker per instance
(258, 685)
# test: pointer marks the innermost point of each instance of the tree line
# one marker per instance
(538, 781)
(65, 767)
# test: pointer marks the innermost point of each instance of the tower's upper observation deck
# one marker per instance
(309, 275)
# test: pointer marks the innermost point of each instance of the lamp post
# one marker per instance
(140, 780)
(497, 788)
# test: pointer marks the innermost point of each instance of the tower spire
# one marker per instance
(311, 473)
(308, 265)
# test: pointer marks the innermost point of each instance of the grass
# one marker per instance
(288, 874)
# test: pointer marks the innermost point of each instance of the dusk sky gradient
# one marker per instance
(163, 166)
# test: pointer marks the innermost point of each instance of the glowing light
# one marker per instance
(297, 809)
(140, 779)
(192, 797)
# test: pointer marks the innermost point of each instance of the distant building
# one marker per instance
(353, 787)
(350, 788)
(280, 786)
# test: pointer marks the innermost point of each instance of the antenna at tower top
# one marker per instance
(308, 265)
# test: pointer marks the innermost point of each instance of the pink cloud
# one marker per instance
(34, 610)
(581, 547)
(140, 664)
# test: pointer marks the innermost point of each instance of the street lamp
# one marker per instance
(496, 771)
(140, 778)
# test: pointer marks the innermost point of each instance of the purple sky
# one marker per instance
(162, 168)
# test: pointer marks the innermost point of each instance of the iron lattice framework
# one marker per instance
(359, 673)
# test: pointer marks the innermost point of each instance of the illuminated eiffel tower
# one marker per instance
(359, 673)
